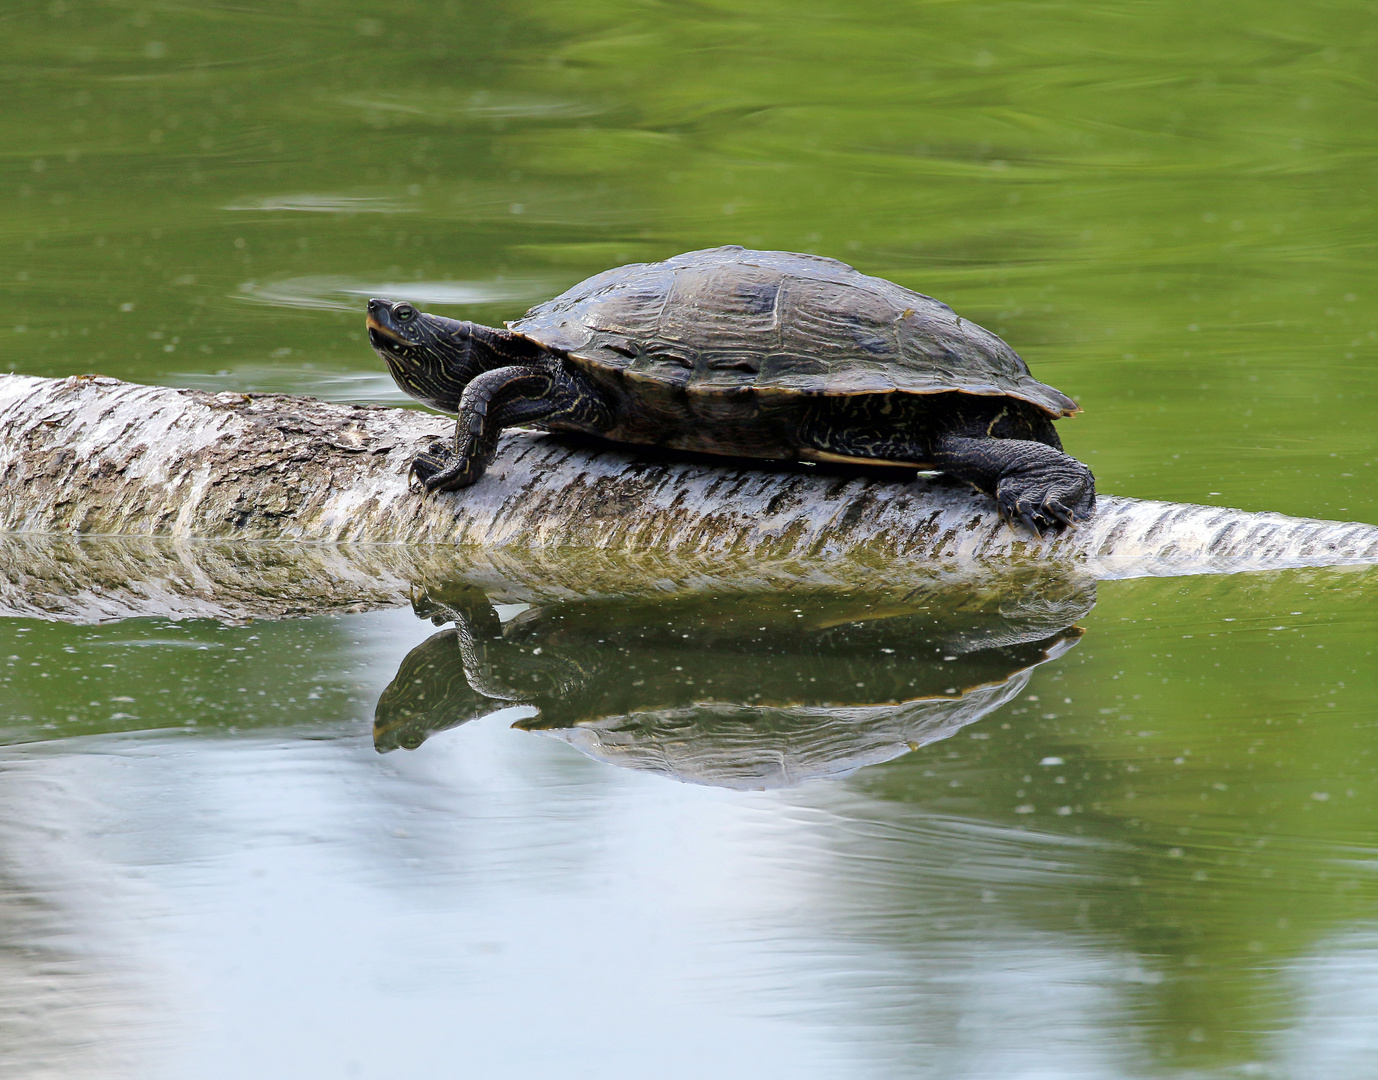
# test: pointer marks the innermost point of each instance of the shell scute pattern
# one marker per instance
(730, 319)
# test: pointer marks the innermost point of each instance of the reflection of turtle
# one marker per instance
(463, 672)
(760, 354)
(733, 691)
(429, 693)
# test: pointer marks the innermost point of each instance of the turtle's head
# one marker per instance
(429, 356)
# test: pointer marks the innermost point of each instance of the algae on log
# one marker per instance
(85, 579)
(92, 455)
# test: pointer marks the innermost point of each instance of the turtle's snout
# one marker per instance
(385, 318)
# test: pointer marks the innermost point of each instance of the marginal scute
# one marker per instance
(780, 323)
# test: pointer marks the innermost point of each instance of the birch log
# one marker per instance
(96, 456)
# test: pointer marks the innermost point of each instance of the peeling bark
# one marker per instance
(97, 456)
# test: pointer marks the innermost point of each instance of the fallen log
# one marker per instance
(96, 456)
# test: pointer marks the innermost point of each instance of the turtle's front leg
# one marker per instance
(502, 397)
(491, 401)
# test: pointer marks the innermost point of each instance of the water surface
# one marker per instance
(1147, 849)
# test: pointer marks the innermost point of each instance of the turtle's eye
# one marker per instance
(404, 313)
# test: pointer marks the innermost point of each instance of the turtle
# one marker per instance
(748, 354)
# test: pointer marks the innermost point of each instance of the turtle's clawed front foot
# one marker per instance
(1048, 500)
(426, 464)
(442, 468)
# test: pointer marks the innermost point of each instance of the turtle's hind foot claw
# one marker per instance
(1047, 508)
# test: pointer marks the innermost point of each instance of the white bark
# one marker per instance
(95, 456)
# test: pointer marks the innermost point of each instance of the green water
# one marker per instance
(1155, 859)
(1167, 210)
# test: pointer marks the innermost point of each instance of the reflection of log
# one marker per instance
(94, 455)
(100, 579)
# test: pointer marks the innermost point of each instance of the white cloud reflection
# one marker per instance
(324, 203)
(328, 293)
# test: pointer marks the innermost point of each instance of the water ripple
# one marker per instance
(329, 293)
(325, 203)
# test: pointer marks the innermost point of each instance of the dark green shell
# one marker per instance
(727, 319)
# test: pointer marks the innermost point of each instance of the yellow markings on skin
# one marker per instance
(374, 324)
(845, 459)
(782, 391)
(990, 428)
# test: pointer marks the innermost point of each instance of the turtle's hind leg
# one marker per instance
(502, 397)
(1033, 483)
(999, 446)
